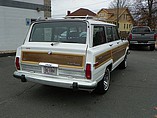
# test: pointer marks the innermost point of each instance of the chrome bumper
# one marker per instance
(58, 81)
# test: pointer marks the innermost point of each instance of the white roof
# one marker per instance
(90, 21)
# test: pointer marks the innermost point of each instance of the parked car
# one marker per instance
(142, 36)
(76, 54)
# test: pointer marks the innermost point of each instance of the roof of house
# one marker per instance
(113, 13)
(82, 12)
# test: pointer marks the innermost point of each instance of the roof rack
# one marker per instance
(79, 17)
(43, 19)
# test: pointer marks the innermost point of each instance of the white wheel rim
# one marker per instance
(125, 63)
(106, 80)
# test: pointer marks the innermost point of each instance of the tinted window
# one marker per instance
(140, 30)
(115, 33)
(98, 35)
(109, 34)
(68, 32)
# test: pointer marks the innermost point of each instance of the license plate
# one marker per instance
(50, 70)
(142, 43)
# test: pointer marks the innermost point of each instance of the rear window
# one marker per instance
(65, 32)
(141, 30)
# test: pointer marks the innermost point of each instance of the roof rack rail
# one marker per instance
(79, 17)
(38, 19)
(43, 19)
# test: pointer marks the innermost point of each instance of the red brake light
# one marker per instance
(130, 36)
(155, 36)
(88, 71)
(17, 63)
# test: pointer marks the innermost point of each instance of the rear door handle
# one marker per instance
(111, 45)
(117, 42)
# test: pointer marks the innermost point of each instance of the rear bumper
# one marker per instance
(58, 81)
(149, 43)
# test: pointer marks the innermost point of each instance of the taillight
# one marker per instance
(130, 36)
(17, 63)
(88, 71)
(155, 36)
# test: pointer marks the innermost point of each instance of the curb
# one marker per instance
(7, 53)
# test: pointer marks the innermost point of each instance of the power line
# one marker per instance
(57, 15)
(84, 5)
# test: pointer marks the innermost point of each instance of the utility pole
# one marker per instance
(117, 14)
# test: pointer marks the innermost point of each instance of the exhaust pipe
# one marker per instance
(75, 86)
(22, 77)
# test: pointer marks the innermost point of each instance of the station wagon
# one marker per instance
(71, 53)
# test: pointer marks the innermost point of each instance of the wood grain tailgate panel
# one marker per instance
(56, 58)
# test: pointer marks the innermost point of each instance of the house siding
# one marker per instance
(13, 21)
(125, 19)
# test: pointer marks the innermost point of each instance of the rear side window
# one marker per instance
(140, 30)
(115, 33)
(63, 31)
(112, 33)
(99, 35)
(109, 34)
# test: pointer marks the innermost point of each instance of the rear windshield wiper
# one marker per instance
(54, 43)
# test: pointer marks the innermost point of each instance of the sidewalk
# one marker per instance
(7, 53)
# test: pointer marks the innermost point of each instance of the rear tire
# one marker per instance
(130, 47)
(123, 64)
(152, 47)
(103, 85)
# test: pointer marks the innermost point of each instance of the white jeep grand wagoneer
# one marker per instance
(77, 54)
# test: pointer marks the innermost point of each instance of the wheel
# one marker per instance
(130, 47)
(123, 64)
(152, 47)
(103, 85)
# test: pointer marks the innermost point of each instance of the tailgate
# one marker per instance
(143, 37)
(65, 56)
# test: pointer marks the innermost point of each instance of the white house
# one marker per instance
(16, 17)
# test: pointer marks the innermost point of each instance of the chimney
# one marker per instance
(68, 12)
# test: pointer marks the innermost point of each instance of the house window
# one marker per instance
(124, 16)
(101, 15)
(129, 25)
(124, 26)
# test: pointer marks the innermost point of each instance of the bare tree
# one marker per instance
(152, 9)
(117, 4)
(121, 3)
(145, 12)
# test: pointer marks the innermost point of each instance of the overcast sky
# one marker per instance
(60, 7)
